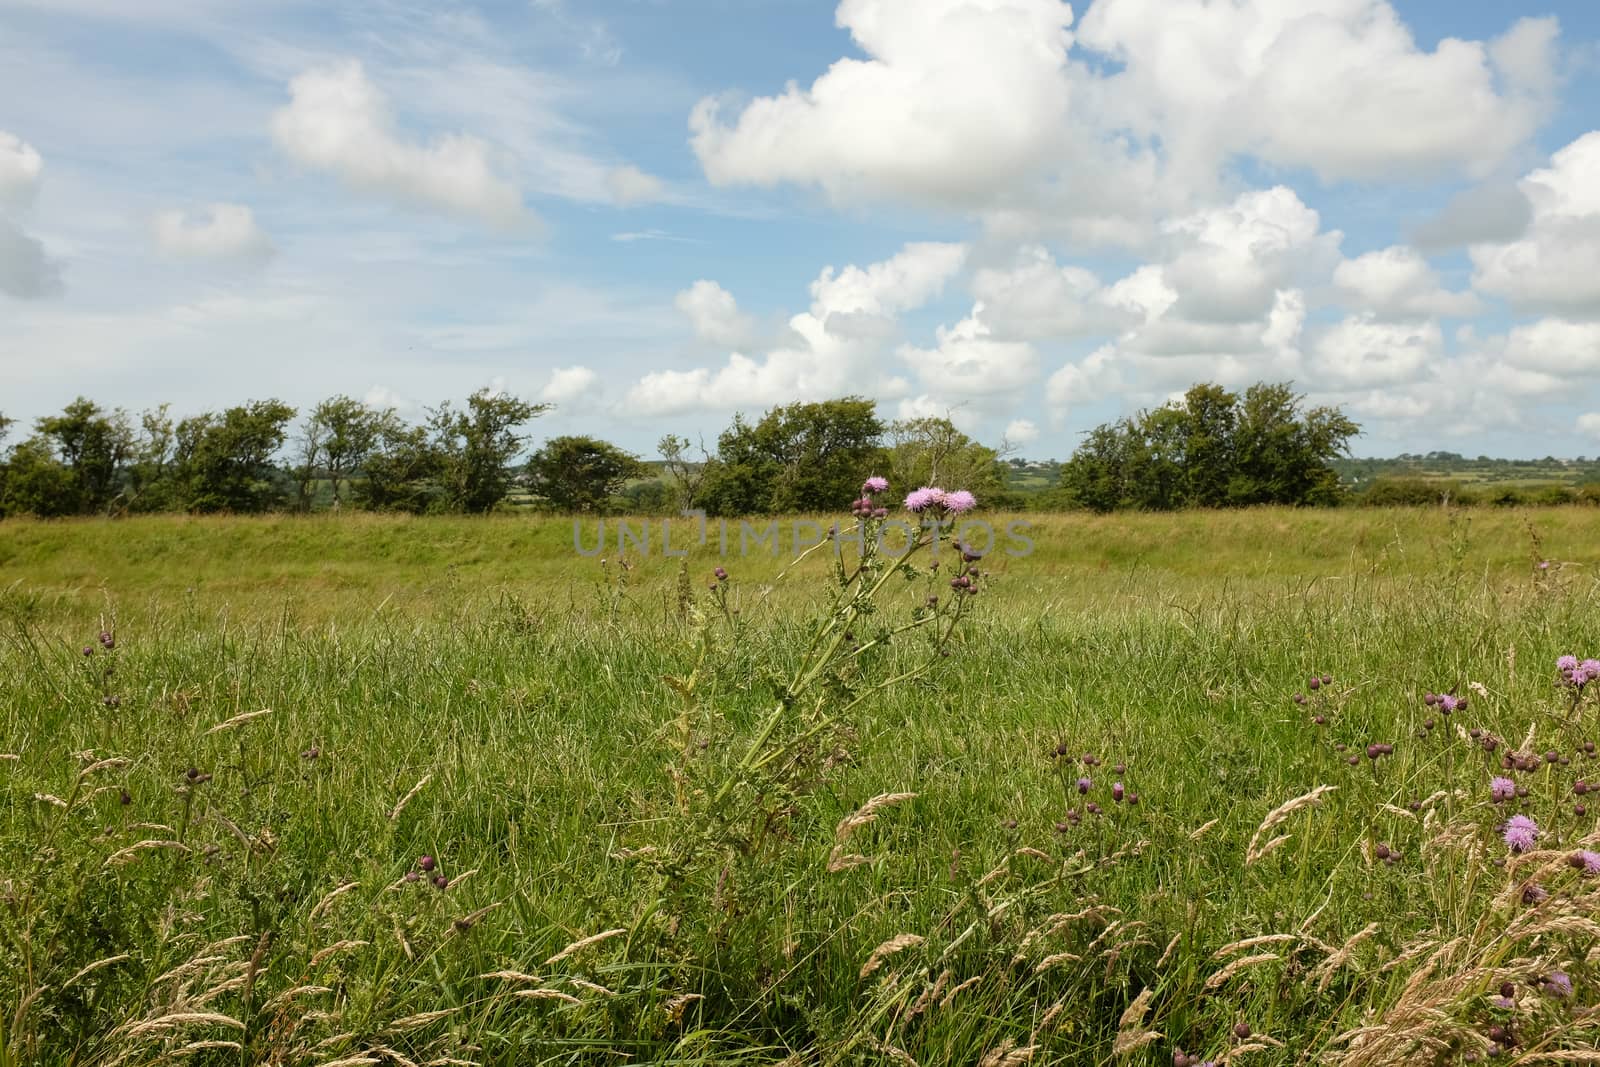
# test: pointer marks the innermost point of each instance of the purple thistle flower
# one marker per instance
(1084, 785)
(1586, 860)
(427, 863)
(1558, 984)
(1502, 789)
(959, 502)
(1449, 702)
(875, 484)
(1117, 791)
(721, 574)
(1566, 663)
(88, 650)
(1534, 894)
(920, 500)
(106, 640)
(1520, 833)
(1503, 1002)
(1591, 668)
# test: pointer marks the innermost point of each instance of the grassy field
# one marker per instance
(799, 816)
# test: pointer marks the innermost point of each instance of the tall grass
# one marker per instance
(212, 844)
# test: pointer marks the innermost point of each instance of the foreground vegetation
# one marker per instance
(386, 791)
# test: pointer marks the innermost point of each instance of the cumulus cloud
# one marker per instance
(714, 313)
(1363, 352)
(1035, 298)
(1021, 432)
(1336, 86)
(957, 98)
(1555, 346)
(1085, 382)
(629, 185)
(339, 122)
(821, 359)
(1496, 211)
(26, 270)
(1398, 283)
(220, 232)
(1555, 266)
(20, 167)
(969, 362)
(570, 386)
(1589, 424)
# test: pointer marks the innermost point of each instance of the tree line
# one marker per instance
(1215, 448)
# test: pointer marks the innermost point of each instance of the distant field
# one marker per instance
(651, 858)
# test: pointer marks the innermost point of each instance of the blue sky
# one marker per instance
(655, 213)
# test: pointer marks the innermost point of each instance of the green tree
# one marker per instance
(476, 447)
(581, 473)
(1093, 478)
(152, 484)
(685, 474)
(225, 461)
(346, 431)
(1282, 455)
(36, 482)
(931, 451)
(802, 457)
(92, 444)
(402, 471)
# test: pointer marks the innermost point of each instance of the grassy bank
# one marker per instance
(296, 711)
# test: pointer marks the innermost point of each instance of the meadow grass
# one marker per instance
(211, 850)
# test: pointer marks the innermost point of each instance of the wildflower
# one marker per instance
(1586, 861)
(106, 640)
(1544, 564)
(440, 882)
(959, 502)
(1534, 894)
(1591, 668)
(1501, 789)
(721, 574)
(1520, 833)
(1566, 663)
(1327, 679)
(88, 650)
(1314, 684)
(1241, 1031)
(1117, 791)
(1084, 785)
(1449, 702)
(413, 876)
(1503, 1002)
(1299, 698)
(874, 484)
(427, 864)
(1133, 800)
(920, 500)
(1557, 984)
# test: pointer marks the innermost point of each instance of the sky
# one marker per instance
(1027, 216)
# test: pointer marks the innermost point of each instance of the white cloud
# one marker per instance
(629, 185)
(1362, 352)
(968, 362)
(1589, 424)
(1398, 283)
(20, 167)
(338, 121)
(1231, 261)
(220, 232)
(1021, 432)
(1336, 86)
(1555, 266)
(833, 346)
(570, 386)
(26, 270)
(1495, 211)
(1036, 298)
(959, 98)
(1555, 346)
(714, 314)
(1095, 376)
